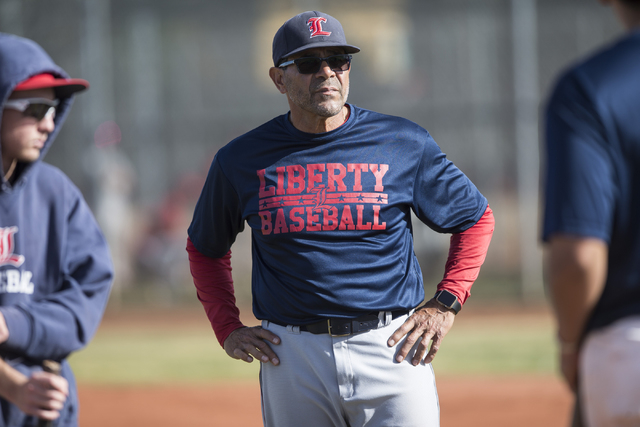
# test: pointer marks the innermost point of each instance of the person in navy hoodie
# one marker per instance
(55, 266)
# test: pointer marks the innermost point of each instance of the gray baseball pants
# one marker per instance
(349, 381)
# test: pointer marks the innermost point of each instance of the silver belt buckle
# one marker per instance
(331, 333)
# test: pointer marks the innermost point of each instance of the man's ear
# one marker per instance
(277, 76)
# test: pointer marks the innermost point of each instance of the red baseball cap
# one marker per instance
(62, 87)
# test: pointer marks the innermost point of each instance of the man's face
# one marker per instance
(323, 93)
(22, 137)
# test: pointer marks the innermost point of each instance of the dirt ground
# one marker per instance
(505, 402)
(524, 401)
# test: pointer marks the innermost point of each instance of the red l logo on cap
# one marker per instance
(315, 26)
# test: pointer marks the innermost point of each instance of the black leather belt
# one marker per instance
(338, 326)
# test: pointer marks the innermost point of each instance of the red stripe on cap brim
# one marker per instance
(62, 87)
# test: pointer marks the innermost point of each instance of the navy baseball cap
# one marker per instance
(308, 30)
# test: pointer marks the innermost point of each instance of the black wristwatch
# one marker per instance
(449, 300)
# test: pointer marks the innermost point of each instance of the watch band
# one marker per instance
(448, 300)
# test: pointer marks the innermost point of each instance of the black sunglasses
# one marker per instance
(38, 108)
(311, 65)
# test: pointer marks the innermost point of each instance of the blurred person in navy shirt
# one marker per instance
(591, 228)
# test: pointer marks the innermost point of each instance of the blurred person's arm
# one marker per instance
(577, 269)
(69, 307)
(42, 395)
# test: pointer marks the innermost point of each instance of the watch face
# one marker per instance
(447, 298)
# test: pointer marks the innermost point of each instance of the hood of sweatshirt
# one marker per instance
(21, 59)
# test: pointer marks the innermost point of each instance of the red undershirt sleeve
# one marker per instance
(214, 285)
(467, 252)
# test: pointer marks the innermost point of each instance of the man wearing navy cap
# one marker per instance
(55, 268)
(327, 190)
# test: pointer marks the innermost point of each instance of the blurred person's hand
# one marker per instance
(41, 395)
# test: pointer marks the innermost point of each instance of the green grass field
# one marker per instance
(151, 356)
(501, 346)
(477, 345)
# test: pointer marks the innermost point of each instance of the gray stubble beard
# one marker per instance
(307, 104)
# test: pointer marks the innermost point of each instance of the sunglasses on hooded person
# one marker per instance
(38, 108)
(311, 64)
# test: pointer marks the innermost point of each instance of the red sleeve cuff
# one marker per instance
(467, 252)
